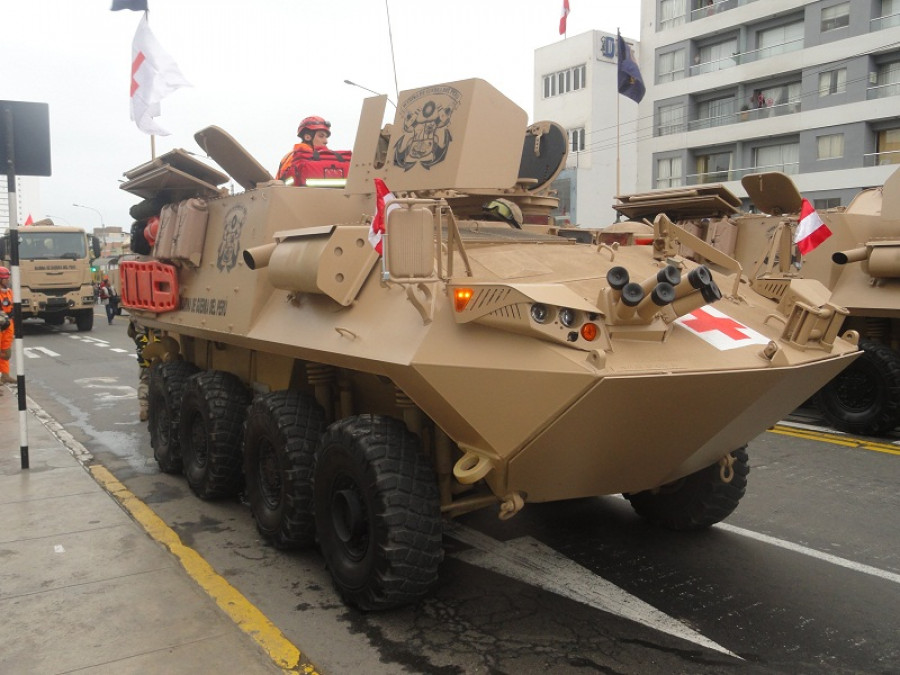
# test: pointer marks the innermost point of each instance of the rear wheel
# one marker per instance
(378, 516)
(167, 381)
(697, 501)
(864, 398)
(213, 409)
(280, 437)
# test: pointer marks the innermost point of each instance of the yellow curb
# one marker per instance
(835, 439)
(248, 618)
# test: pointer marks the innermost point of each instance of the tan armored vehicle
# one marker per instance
(359, 398)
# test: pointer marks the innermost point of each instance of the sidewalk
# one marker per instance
(84, 587)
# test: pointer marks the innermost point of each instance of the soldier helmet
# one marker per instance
(314, 123)
(505, 210)
(4, 273)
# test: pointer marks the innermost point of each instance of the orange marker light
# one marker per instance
(461, 297)
(589, 331)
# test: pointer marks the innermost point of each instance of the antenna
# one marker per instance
(391, 37)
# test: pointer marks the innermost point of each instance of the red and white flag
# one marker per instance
(811, 231)
(563, 17)
(154, 75)
(383, 206)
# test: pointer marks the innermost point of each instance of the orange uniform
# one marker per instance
(6, 336)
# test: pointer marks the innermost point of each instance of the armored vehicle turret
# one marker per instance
(365, 365)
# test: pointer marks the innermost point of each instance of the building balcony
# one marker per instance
(881, 158)
(883, 22)
(882, 91)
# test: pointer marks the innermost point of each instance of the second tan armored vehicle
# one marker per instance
(360, 398)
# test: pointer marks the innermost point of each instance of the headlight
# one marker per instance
(567, 317)
(540, 313)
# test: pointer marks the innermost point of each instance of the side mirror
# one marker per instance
(95, 246)
(4, 246)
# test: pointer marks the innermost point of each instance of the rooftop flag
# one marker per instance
(154, 75)
(562, 18)
(631, 84)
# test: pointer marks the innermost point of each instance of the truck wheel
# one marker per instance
(696, 501)
(84, 320)
(280, 437)
(864, 398)
(213, 409)
(165, 390)
(378, 516)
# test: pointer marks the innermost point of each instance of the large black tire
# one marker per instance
(84, 320)
(378, 516)
(280, 438)
(864, 398)
(697, 501)
(213, 409)
(166, 387)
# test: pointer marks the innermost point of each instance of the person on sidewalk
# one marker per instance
(7, 333)
(109, 299)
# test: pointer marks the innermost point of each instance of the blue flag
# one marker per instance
(631, 84)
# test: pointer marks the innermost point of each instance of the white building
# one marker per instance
(576, 85)
(807, 87)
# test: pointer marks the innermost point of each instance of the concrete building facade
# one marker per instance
(576, 85)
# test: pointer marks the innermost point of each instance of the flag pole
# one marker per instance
(618, 157)
(152, 146)
(393, 60)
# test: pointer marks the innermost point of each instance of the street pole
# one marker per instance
(102, 224)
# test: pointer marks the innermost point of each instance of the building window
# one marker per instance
(830, 146)
(670, 66)
(836, 17)
(887, 81)
(888, 147)
(779, 39)
(784, 158)
(668, 172)
(715, 113)
(564, 81)
(832, 82)
(671, 119)
(824, 204)
(715, 57)
(671, 13)
(713, 168)
(576, 139)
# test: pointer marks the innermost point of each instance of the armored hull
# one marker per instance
(464, 362)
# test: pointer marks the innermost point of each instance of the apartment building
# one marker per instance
(809, 88)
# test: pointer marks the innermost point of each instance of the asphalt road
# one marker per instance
(803, 578)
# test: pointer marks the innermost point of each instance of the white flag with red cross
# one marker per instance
(154, 75)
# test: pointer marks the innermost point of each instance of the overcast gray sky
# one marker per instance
(256, 68)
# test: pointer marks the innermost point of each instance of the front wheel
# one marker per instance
(165, 389)
(378, 515)
(84, 320)
(698, 500)
(864, 398)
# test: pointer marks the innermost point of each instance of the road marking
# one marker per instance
(30, 352)
(531, 562)
(812, 553)
(833, 437)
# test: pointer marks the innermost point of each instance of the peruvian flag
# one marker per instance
(562, 19)
(383, 199)
(29, 220)
(154, 75)
(811, 231)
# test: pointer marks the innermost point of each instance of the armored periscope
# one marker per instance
(360, 393)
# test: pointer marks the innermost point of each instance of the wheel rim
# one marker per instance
(269, 476)
(349, 518)
(856, 388)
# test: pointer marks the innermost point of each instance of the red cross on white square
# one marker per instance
(719, 329)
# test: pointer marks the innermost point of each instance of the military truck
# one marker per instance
(855, 263)
(55, 268)
(363, 365)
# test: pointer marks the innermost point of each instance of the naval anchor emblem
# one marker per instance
(230, 246)
(426, 121)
